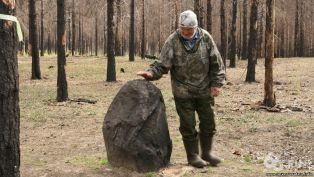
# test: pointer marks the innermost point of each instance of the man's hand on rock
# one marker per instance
(145, 74)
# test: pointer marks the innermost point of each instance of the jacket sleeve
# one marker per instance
(164, 63)
(217, 68)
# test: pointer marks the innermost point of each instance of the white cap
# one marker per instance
(188, 19)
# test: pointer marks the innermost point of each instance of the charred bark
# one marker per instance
(269, 96)
(73, 28)
(143, 43)
(111, 66)
(132, 32)
(9, 96)
(223, 32)
(209, 16)
(244, 31)
(62, 86)
(42, 52)
(233, 34)
(118, 34)
(33, 39)
(96, 35)
(250, 75)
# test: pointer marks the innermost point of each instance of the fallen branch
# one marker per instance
(80, 100)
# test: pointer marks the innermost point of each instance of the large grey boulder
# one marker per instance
(135, 128)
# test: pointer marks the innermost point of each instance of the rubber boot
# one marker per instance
(191, 148)
(206, 146)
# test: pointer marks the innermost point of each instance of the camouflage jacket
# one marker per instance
(193, 71)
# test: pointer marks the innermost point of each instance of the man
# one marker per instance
(197, 73)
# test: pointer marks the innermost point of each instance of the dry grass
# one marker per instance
(65, 139)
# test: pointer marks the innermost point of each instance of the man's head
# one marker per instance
(188, 24)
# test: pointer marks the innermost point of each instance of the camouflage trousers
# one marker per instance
(204, 107)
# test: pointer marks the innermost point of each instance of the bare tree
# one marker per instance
(132, 32)
(9, 97)
(269, 96)
(233, 34)
(111, 66)
(73, 28)
(296, 30)
(223, 32)
(80, 36)
(118, 34)
(311, 47)
(96, 35)
(160, 34)
(105, 39)
(244, 30)
(250, 75)
(176, 14)
(260, 35)
(42, 52)
(199, 12)
(62, 86)
(302, 32)
(209, 16)
(49, 45)
(143, 43)
(33, 39)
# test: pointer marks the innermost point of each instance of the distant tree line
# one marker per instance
(86, 26)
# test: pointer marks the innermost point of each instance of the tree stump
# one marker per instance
(135, 128)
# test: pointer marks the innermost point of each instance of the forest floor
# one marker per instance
(65, 139)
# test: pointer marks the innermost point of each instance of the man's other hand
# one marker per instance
(215, 91)
(145, 74)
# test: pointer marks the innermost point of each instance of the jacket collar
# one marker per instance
(198, 36)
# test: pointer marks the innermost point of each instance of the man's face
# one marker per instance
(187, 32)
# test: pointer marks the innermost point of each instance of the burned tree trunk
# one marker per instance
(223, 32)
(160, 31)
(260, 37)
(209, 16)
(176, 15)
(33, 39)
(311, 49)
(233, 34)
(244, 31)
(73, 28)
(296, 30)
(198, 11)
(132, 32)
(111, 66)
(49, 45)
(143, 43)
(96, 35)
(42, 52)
(239, 35)
(105, 40)
(118, 34)
(250, 75)
(68, 34)
(282, 49)
(80, 36)
(302, 32)
(9, 96)
(62, 86)
(55, 40)
(269, 96)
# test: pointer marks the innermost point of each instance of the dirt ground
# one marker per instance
(65, 139)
